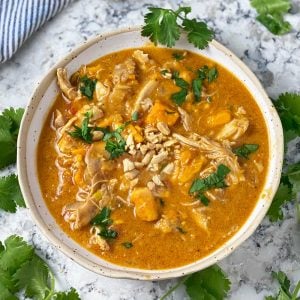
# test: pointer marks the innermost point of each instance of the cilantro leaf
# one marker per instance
(293, 174)
(245, 150)
(212, 74)
(285, 292)
(103, 218)
(10, 193)
(178, 56)
(10, 120)
(70, 295)
(214, 180)
(84, 132)
(211, 283)
(198, 33)
(127, 245)
(15, 254)
(162, 26)
(34, 277)
(135, 116)
(5, 293)
(271, 15)
(197, 88)
(283, 195)
(87, 87)
(107, 233)
(179, 97)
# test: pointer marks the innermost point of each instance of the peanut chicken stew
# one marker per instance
(152, 158)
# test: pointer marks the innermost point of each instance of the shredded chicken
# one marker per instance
(145, 91)
(185, 118)
(63, 82)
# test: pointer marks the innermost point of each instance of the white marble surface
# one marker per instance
(275, 60)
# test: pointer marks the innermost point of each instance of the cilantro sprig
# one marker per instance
(285, 292)
(213, 181)
(271, 15)
(23, 270)
(10, 120)
(165, 25)
(211, 283)
(115, 143)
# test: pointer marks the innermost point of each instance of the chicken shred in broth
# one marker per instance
(150, 159)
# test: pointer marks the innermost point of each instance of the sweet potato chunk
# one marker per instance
(162, 113)
(220, 118)
(145, 205)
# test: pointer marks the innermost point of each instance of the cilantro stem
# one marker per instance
(296, 291)
(180, 282)
(52, 286)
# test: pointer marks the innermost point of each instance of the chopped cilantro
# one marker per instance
(135, 116)
(270, 14)
(127, 245)
(181, 230)
(10, 193)
(212, 74)
(103, 221)
(245, 150)
(197, 88)
(87, 87)
(161, 26)
(10, 120)
(178, 56)
(115, 143)
(179, 97)
(213, 181)
(84, 132)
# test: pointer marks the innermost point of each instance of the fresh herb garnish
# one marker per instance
(287, 191)
(161, 26)
(179, 97)
(135, 116)
(115, 143)
(213, 181)
(84, 132)
(21, 270)
(178, 56)
(211, 283)
(87, 86)
(203, 73)
(288, 108)
(181, 230)
(245, 150)
(285, 292)
(103, 221)
(10, 194)
(10, 120)
(127, 245)
(270, 14)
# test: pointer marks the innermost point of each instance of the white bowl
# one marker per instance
(42, 101)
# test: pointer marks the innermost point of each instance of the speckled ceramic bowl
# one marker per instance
(40, 105)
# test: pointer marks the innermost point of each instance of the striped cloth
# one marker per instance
(19, 19)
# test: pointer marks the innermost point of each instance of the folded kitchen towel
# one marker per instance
(19, 19)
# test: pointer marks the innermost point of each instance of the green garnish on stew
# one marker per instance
(245, 150)
(135, 116)
(84, 132)
(178, 56)
(213, 181)
(179, 97)
(103, 221)
(87, 86)
(115, 143)
(127, 245)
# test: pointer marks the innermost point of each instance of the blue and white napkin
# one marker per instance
(19, 19)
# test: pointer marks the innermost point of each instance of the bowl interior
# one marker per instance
(43, 100)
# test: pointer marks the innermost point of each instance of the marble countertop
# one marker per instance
(276, 62)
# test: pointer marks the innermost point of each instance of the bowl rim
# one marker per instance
(131, 274)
